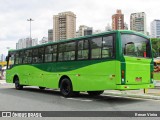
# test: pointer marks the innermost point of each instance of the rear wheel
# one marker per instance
(17, 84)
(95, 93)
(66, 88)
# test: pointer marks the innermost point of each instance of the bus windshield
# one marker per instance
(136, 46)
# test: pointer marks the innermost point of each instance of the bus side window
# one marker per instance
(61, 49)
(83, 51)
(27, 57)
(107, 47)
(40, 55)
(16, 58)
(54, 53)
(35, 55)
(21, 56)
(96, 45)
(50, 53)
(67, 51)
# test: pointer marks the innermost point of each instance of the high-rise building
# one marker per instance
(155, 29)
(77, 34)
(27, 42)
(84, 30)
(125, 26)
(34, 41)
(138, 22)
(97, 31)
(81, 30)
(64, 26)
(43, 41)
(108, 27)
(2, 57)
(50, 35)
(21, 44)
(88, 31)
(118, 21)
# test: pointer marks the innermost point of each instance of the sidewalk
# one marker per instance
(2, 81)
(151, 93)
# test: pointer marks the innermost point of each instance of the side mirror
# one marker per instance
(7, 58)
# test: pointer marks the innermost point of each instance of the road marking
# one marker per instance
(79, 99)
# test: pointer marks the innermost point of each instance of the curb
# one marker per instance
(144, 96)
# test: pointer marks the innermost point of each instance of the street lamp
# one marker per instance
(30, 25)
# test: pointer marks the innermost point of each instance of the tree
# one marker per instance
(155, 46)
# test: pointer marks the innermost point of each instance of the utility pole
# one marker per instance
(30, 20)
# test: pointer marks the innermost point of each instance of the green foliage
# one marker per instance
(155, 46)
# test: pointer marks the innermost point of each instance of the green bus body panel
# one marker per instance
(133, 87)
(137, 70)
(85, 75)
(88, 75)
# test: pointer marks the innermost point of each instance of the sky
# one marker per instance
(93, 13)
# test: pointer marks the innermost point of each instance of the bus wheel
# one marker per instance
(66, 88)
(95, 93)
(42, 88)
(17, 84)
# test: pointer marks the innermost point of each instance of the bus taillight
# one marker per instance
(122, 74)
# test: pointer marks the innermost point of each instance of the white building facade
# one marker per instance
(64, 26)
(26, 42)
(138, 22)
(155, 29)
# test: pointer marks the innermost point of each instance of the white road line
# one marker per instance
(79, 99)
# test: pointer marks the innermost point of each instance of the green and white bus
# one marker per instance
(115, 60)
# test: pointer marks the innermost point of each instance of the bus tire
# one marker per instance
(66, 88)
(42, 88)
(95, 93)
(17, 84)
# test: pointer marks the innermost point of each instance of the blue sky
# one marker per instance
(93, 13)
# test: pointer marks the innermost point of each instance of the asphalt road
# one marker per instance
(34, 99)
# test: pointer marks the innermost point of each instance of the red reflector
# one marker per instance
(122, 74)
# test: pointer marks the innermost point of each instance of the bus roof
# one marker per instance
(84, 37)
